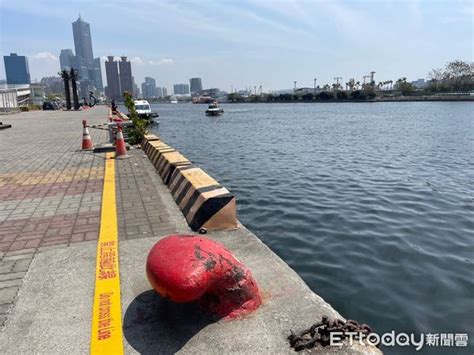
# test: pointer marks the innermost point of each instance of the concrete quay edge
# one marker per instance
(53, 309)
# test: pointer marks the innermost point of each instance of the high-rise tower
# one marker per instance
(113, 82)
(196, 85)
(126, 80)
(17, 69)
(67, 60)
(87, 65)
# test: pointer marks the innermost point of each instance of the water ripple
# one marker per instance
(372, 205)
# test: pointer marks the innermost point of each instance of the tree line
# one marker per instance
(365, 94)
(456, 77)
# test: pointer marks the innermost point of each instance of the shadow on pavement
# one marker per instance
(154, 325)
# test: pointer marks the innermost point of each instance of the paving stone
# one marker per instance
(54, 197)
(18, 257)
(4, 308)
(11, 276)
(6, 266)
(21, 265)
(7, 295)
(10, 283)
(50, 247)
(46, 192)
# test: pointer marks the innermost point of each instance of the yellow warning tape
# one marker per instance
(106, 336)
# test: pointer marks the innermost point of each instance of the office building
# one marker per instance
(113, 90)
(196, 85)
(67, 60)
(181, 89)
(159, 92)
(126, 80)
(87, 66)
(149, 89)
(165, 92)
(136, 90)
(98, 74)
(119, 78)
(17, 69)
(420, 83)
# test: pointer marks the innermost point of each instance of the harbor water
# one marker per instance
(371, 203)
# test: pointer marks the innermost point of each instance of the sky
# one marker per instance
(247, 43)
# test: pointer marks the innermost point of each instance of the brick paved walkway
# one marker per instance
(50, 192)
(140, 209)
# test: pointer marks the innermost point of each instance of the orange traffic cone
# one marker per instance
(86, 137)
(120, 149)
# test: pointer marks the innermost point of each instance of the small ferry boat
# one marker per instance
(144, 110)
(214, 109)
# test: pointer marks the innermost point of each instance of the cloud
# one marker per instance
(162, 61)
(137, 60)
(463, 14)
(48, 56)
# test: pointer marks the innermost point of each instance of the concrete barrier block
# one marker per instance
(155, 151)
(147, 139)
(151, 146)
(203, 201)
(167, 163)
(150, 137)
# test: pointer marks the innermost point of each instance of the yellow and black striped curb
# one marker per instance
(202, 200)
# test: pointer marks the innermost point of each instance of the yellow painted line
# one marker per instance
(106, 336)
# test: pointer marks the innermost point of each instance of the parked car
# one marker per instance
(47, 105)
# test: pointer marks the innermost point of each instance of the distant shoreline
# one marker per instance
(391, 99)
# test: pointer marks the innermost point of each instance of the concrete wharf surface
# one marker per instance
(50, 201)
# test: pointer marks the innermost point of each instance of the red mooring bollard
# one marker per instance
(187, 268)
(86, 137)
(120, 148)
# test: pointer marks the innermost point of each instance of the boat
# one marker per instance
(214, 109)
(143, 109)
(202, 99)
(174, 100)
